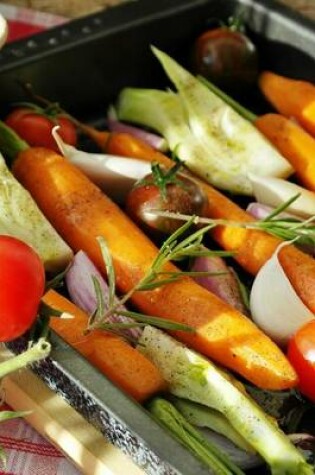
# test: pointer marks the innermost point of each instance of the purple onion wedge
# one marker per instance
(224, 286)
(156, 141)
(261, 211)
(82, 292)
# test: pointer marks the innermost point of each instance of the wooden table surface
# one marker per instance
(77, 8)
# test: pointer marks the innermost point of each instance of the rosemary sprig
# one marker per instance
(288, 229)
(156, 276)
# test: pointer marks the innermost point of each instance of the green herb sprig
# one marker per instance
(173, 249)
(288, 229)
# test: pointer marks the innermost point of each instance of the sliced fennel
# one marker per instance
(204, 450)
(193, 377)
(211, 138)
(203, 416)
(21, 217)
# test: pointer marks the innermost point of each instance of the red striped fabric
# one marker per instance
(28, 453)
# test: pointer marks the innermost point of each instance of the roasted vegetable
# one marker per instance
(193, 377)
(81, 212)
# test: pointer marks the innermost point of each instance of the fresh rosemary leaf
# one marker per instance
(158, 322)
(158, 283)
(284, 206)
(109, 270)
(99, 312)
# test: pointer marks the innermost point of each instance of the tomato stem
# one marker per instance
(37, 352)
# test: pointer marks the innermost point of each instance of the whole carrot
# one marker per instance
(293, 142)
(81, 212)
(252, 247)
(291, 97)
(115, 358)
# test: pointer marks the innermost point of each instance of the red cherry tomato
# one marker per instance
(226, 57)
(301, 353)
(22, 283)
(35, 127)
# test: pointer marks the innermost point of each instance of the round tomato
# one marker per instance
(22, 283)
(164, 191)
(301, 353)
(35, 126)
(226, 57)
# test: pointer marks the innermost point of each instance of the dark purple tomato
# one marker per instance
(226, 57)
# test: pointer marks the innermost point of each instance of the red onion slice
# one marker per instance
(81, 290)
(224, 286)
(260, 211)
(156, 141)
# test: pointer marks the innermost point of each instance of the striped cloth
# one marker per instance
(24, 22)
(28, 453)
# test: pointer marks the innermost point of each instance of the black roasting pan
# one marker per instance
(83, 65)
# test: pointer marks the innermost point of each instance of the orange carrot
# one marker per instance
(291, 97)
(295, 144)
(81, 212)
(120, 362)
(252, 248)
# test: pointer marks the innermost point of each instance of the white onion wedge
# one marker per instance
(275, 191)
(113, 174)
(275, 306)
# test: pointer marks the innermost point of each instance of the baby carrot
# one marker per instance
(295, 144)
(115, 358)
(291, 97)
(252, 247)
(81, 212)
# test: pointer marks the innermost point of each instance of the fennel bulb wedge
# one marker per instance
(210, 454)
(20, 217)
(191, 376)
(212, 139)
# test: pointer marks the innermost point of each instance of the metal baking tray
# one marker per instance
(83, 65)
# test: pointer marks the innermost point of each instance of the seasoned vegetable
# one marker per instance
(275, 191)
(80, 212)
(301, 352)
(291, 97)
(285, 312)
(21, 217)
(115, 175)
(119, 361)
(219, 463)
(293, 142)
(193, 377)
(114, 125)
(80, 285)
(207, 134)
(164, 190)
(203, 416)
(225, 286)
(22, 283)
(252, 248)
